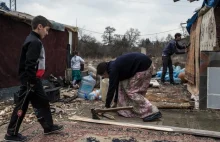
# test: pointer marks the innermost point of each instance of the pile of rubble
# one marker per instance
(67, 105)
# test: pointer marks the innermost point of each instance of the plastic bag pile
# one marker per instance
(176, 71)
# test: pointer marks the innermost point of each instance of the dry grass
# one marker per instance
(157, 61)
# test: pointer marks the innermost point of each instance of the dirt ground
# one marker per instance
(174, 103)
(90, 132)
(164, 96)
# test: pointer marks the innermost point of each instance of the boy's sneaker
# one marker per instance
(15, 138)
(53, 129)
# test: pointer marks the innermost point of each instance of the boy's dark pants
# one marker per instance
(167, 62)
(40, 103)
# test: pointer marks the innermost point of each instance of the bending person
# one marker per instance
(129, 78)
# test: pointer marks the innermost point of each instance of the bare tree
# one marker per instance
(169, 37)
(87, 39)
(144, 43)
(120, 41)
(108, 35)
(132, 36)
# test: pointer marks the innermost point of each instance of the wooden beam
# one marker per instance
(85, 119)
(196, 132)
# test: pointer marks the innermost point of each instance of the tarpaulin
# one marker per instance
(208, 3)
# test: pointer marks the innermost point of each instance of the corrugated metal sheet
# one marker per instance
(27, 18)
(208, 40)
(13, 33)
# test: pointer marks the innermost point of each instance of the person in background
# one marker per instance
(76, 62)
(129, 78)
(31, 70)
(168, 51)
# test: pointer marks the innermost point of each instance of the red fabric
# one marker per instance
(40, 73)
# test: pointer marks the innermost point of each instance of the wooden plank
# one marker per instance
(151, 127)
(190, 62)
(197, 52)
(168, 105)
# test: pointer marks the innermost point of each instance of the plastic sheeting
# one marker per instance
(208, 3)
(211, 3)
(4, 6)
(176, 71)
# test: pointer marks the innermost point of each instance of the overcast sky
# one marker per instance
(148, 16)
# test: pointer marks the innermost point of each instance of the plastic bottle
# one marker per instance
(86, 87)
(94, 95)
(104, 88)
(91, 96)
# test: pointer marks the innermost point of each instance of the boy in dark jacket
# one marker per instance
(31, 70)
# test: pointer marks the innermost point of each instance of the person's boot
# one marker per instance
(171, 78)
(153, 117)
(172, 82)
(15, 138)
(162, 78)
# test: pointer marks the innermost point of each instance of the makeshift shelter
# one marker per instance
(205, 40)
(14, 27)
